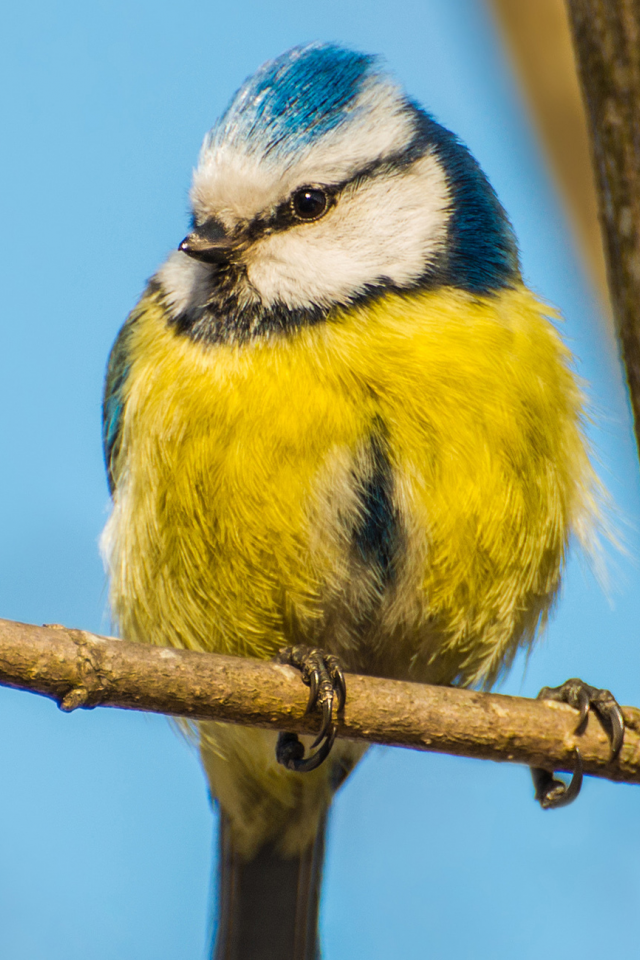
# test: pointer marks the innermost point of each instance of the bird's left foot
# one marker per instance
(552, 793)
(323, 674)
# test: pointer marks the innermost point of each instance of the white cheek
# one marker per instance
(389, 227)
(184, 281)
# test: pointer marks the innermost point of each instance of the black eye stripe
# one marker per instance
(285, 215)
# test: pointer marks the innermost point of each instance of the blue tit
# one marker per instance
(337, 419)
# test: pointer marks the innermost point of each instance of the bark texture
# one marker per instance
(80, 669)
(606, 36)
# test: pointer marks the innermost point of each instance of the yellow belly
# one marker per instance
(235, 489)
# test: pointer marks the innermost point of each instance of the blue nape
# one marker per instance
(294, 99)
(482, 251)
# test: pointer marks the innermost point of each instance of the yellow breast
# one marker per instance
(239, 471)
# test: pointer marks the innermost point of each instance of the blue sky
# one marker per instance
(105, 828)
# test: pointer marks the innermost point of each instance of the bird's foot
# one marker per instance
(322, 672)
(552, 793)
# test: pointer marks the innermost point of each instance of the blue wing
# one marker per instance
(114, 398)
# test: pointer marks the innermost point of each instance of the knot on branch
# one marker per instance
(92, 685)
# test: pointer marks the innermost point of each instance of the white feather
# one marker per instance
(184, 281)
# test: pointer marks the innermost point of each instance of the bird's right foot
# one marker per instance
(323, 674)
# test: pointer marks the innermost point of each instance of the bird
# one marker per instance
(342, 432)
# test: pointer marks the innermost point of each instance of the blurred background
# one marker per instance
(106, 833)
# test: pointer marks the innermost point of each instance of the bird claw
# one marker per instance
(323, 674)
(290, 752)
(552, 793)
(326, 722)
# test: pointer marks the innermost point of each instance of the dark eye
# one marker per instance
(309, 203)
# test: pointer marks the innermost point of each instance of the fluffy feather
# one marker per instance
(241, 469)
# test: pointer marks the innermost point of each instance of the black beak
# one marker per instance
(209, 242)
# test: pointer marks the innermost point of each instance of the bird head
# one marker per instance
(323, 185)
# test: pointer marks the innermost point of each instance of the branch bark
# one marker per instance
(606, 35)
(79, 669)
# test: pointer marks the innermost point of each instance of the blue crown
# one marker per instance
(296, 98)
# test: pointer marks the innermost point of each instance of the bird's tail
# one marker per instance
(268, 906)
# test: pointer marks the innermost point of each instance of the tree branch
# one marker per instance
(606, 36)
(80, 669)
